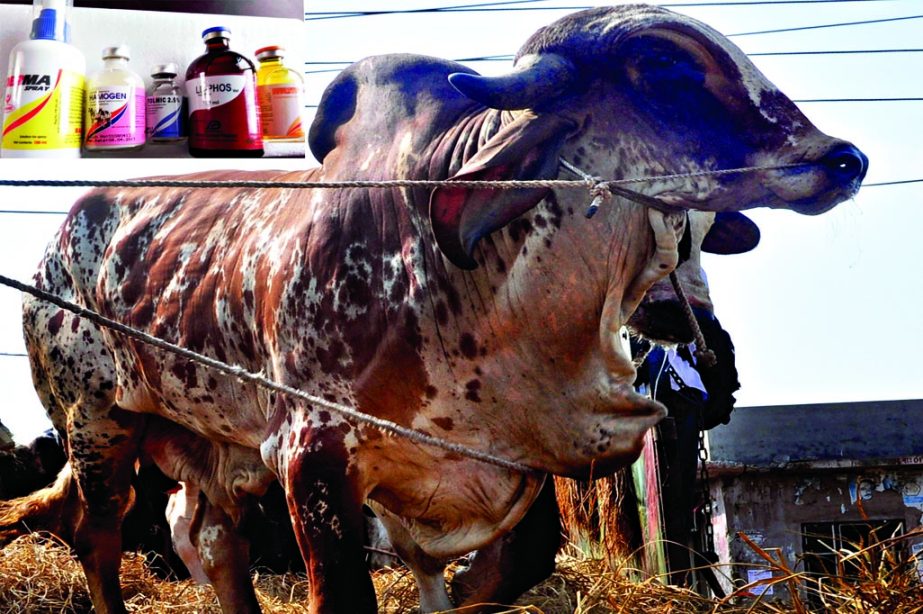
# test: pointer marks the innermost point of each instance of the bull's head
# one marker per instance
(644, 90)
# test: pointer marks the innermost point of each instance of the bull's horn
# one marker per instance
(535, 79)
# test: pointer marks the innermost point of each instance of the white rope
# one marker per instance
(389, 183)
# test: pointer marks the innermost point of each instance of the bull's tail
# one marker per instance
(49, 509)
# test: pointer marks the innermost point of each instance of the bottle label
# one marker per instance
(115, 117)
(280, 109)
(43, 109)
(223, 113)
(165, 116)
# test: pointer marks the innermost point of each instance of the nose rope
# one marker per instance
(704, 356)
(602, 189)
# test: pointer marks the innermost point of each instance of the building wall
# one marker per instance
(771, 507)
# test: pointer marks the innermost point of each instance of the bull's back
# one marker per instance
(180, 263)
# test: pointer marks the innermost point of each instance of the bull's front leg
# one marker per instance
(505, 569)
(326, 510)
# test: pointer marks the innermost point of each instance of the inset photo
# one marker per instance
(112, 79)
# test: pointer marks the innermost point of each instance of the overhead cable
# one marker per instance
(505, 7)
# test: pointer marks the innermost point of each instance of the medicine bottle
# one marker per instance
(166, 108)
(115, 104)
(224, 118)
(279, 90)
(45, 89)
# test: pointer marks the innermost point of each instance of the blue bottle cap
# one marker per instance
(43, 28)
(216, 32)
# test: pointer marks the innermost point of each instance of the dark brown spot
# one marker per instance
(467, 346)
(473, 387)
(444, 423)
(442, 313)
(54, 324)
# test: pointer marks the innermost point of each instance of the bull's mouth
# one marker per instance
(617, 438)
(663, 321)
(816, 186)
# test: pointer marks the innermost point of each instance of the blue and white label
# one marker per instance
(165, 117)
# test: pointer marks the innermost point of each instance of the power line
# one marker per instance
(509, 57)
(14, 355)
(321, 15)
(887, 183)
(835, 52)
(858, 100)
(827, 25)
(505, 7)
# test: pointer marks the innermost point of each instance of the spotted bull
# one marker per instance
(489, 318)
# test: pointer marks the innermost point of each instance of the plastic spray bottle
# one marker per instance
(115, 104)
(279, 90)
(224, 119)
(43, 102)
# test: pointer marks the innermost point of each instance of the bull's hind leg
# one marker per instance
(102, 456)
(326, 509)
(74, 375)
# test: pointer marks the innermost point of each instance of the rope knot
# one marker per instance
(598, 187)
(705, 357)
(601, 194)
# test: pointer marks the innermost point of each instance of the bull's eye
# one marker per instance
(660, 69)
(657, 63)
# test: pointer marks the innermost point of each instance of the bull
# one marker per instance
(489, 318)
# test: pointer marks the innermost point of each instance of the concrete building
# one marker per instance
(798, 479)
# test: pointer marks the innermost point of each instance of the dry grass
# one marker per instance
(39, 575)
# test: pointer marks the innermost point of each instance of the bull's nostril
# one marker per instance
(846, 162)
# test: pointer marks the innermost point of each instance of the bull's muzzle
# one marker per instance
(846, 164)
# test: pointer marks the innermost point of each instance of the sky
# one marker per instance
(822, 311)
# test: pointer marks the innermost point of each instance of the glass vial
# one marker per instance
(166, 106)
(224, 118)
(280, 91)
(115, 104)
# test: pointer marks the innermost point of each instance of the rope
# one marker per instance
(242, 374)
(703, 355)
(389, 183)
(598, 189)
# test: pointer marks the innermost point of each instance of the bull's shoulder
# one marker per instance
(375, 95)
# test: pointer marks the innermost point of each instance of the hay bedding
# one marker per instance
(39, 575)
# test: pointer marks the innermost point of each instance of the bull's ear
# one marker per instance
(732, 233)
(525, 149)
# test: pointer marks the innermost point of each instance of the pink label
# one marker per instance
(115, 117)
